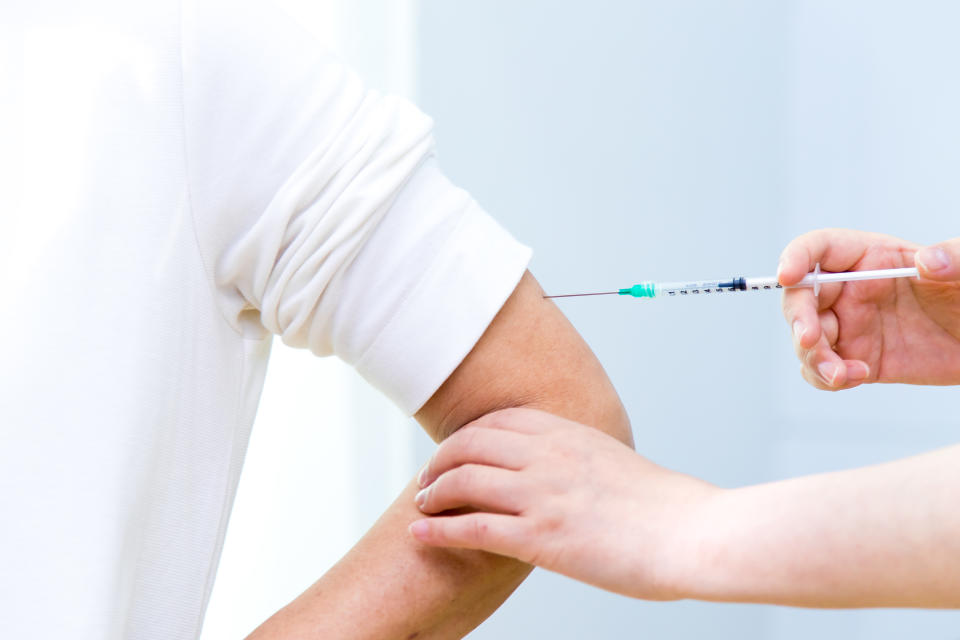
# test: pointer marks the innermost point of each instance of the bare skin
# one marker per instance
(570, 499)
(903, 330)
(392, 586)
(562, 496)
(557, 494)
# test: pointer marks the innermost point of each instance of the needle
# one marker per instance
(575, 295)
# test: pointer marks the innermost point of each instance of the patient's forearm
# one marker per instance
(390, 586)
(882, 536)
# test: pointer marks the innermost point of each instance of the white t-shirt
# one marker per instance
(179, 182)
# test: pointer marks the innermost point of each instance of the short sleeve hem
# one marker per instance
(444, 316)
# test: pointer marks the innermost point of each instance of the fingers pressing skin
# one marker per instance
(472, 485)
(503, 534)
(940, 262)
(478, 444)
(582, 498)
(516, 419)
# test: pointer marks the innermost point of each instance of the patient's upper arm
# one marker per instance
(529, 356)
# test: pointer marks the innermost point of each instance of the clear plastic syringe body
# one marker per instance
(697, 287)
(694, 288)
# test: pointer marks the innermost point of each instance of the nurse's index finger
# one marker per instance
(477, 445)
(833, 249)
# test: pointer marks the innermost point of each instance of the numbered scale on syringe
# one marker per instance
(712, 286)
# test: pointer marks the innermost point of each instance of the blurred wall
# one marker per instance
(641, 140)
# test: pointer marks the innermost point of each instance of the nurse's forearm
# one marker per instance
(881, 536)
(390, 585)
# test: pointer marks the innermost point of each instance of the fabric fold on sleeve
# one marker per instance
(425, 288)
(320, 213)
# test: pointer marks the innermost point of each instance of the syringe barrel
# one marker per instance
(755, 284)
(814, 279)
(694, 287)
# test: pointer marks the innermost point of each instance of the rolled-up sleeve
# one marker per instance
(320, 212)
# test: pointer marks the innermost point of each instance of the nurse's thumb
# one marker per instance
(940, 261)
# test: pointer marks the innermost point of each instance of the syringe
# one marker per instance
(814, 279)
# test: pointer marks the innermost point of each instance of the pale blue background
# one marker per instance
(670, 140)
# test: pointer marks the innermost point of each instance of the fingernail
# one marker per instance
(779, 268)
(933, 259)
(419, 528)
(858, 371)
(421, 497)
(798, 330)
(422, 476)
(828, 371)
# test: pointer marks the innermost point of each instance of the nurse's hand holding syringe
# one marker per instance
(903, 330)
(857, 309)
